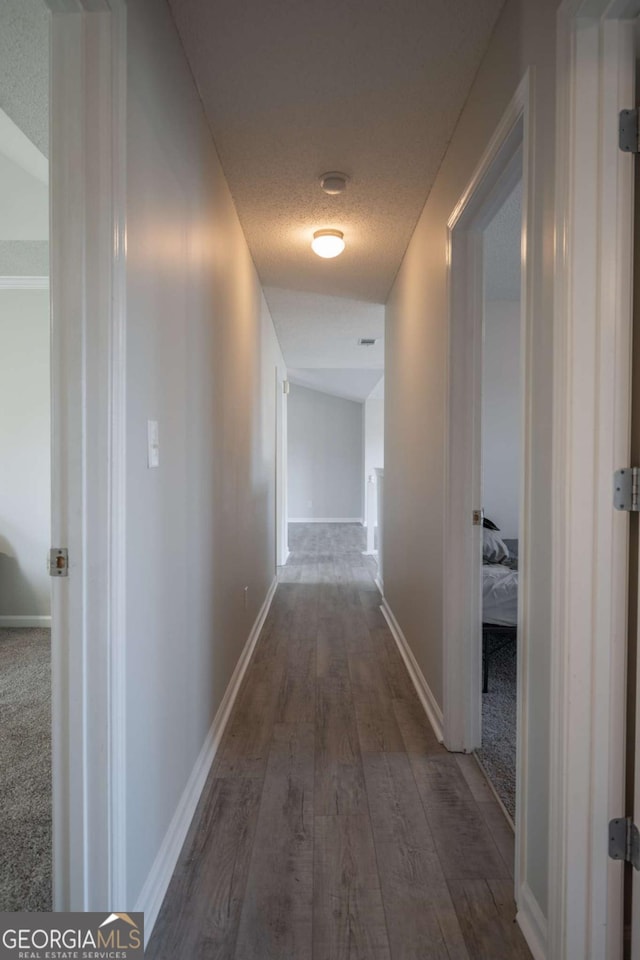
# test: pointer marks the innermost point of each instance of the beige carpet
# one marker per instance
(25, 770)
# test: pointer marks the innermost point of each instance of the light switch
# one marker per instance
(153, 444)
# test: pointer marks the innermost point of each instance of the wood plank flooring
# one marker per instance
(333, 825)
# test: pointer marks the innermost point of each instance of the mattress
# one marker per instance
(499, 595)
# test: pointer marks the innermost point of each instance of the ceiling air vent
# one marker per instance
(367, 341)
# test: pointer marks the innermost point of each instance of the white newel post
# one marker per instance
(371, 514)
(379, 490)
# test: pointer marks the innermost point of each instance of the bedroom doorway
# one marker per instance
(490, 319)
(501, 442)
(26, 851)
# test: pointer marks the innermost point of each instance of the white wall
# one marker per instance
(373, 449)
(416, 390)
(25, 453)
(201, 360)
(325, 456)
(501, 415)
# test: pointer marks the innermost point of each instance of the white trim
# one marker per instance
(531, 921)
(157, 882)
(117, 502)
(506, 159)
(326, 520)
(591, 390)
(426, 697)
(24, 283)
(281, 460)
(20, 621)
(379, 582)
(495, 793)
(87, 129)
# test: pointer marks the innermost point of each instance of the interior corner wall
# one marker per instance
(325, 441)
(501, 415)
(416, 345)
(201, 360)
(25, 453)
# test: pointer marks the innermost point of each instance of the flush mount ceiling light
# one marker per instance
(328, 243)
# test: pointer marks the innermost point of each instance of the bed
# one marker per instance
(499, 599)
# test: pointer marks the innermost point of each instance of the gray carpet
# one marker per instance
(498, 754)
(25, 770)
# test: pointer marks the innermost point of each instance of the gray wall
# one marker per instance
(416, 391)
(325, 456)
(25, 454)
(201, 360)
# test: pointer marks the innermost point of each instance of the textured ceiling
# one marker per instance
(295, 89)
(317, 331)
(24, 67)
(24, 135)
(502, 258)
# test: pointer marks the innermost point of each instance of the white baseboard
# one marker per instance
(157, 882)
(42, 622)
(427, 699)
(325, 520)
(532, 922)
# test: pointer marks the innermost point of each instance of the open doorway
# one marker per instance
(25, 454)
(502, 404)
(489, 469)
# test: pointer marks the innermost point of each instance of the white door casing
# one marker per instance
(88, 246)
(592, 383)
(508, 157)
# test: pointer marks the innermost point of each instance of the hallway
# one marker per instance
(333, 824)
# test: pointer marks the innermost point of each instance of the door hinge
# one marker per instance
(477, 517)
(629, 130)
(624, 841)
(626, 489)
(58, 562)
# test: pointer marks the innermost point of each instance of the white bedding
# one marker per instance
(499, 594)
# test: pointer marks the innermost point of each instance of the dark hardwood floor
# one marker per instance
(334, 826)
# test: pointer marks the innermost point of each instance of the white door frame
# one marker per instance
(508, 157)
(88, 245)
(592, 388)
(282, 527)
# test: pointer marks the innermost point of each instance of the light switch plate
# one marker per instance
(153, 444)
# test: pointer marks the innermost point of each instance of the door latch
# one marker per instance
(58, 562)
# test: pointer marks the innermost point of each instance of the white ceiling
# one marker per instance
(502, 257)
(295, 89)
(24, 135)
(24, 67)
(318, 331)
(350, 384)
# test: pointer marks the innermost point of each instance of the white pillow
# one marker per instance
(494, 549)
